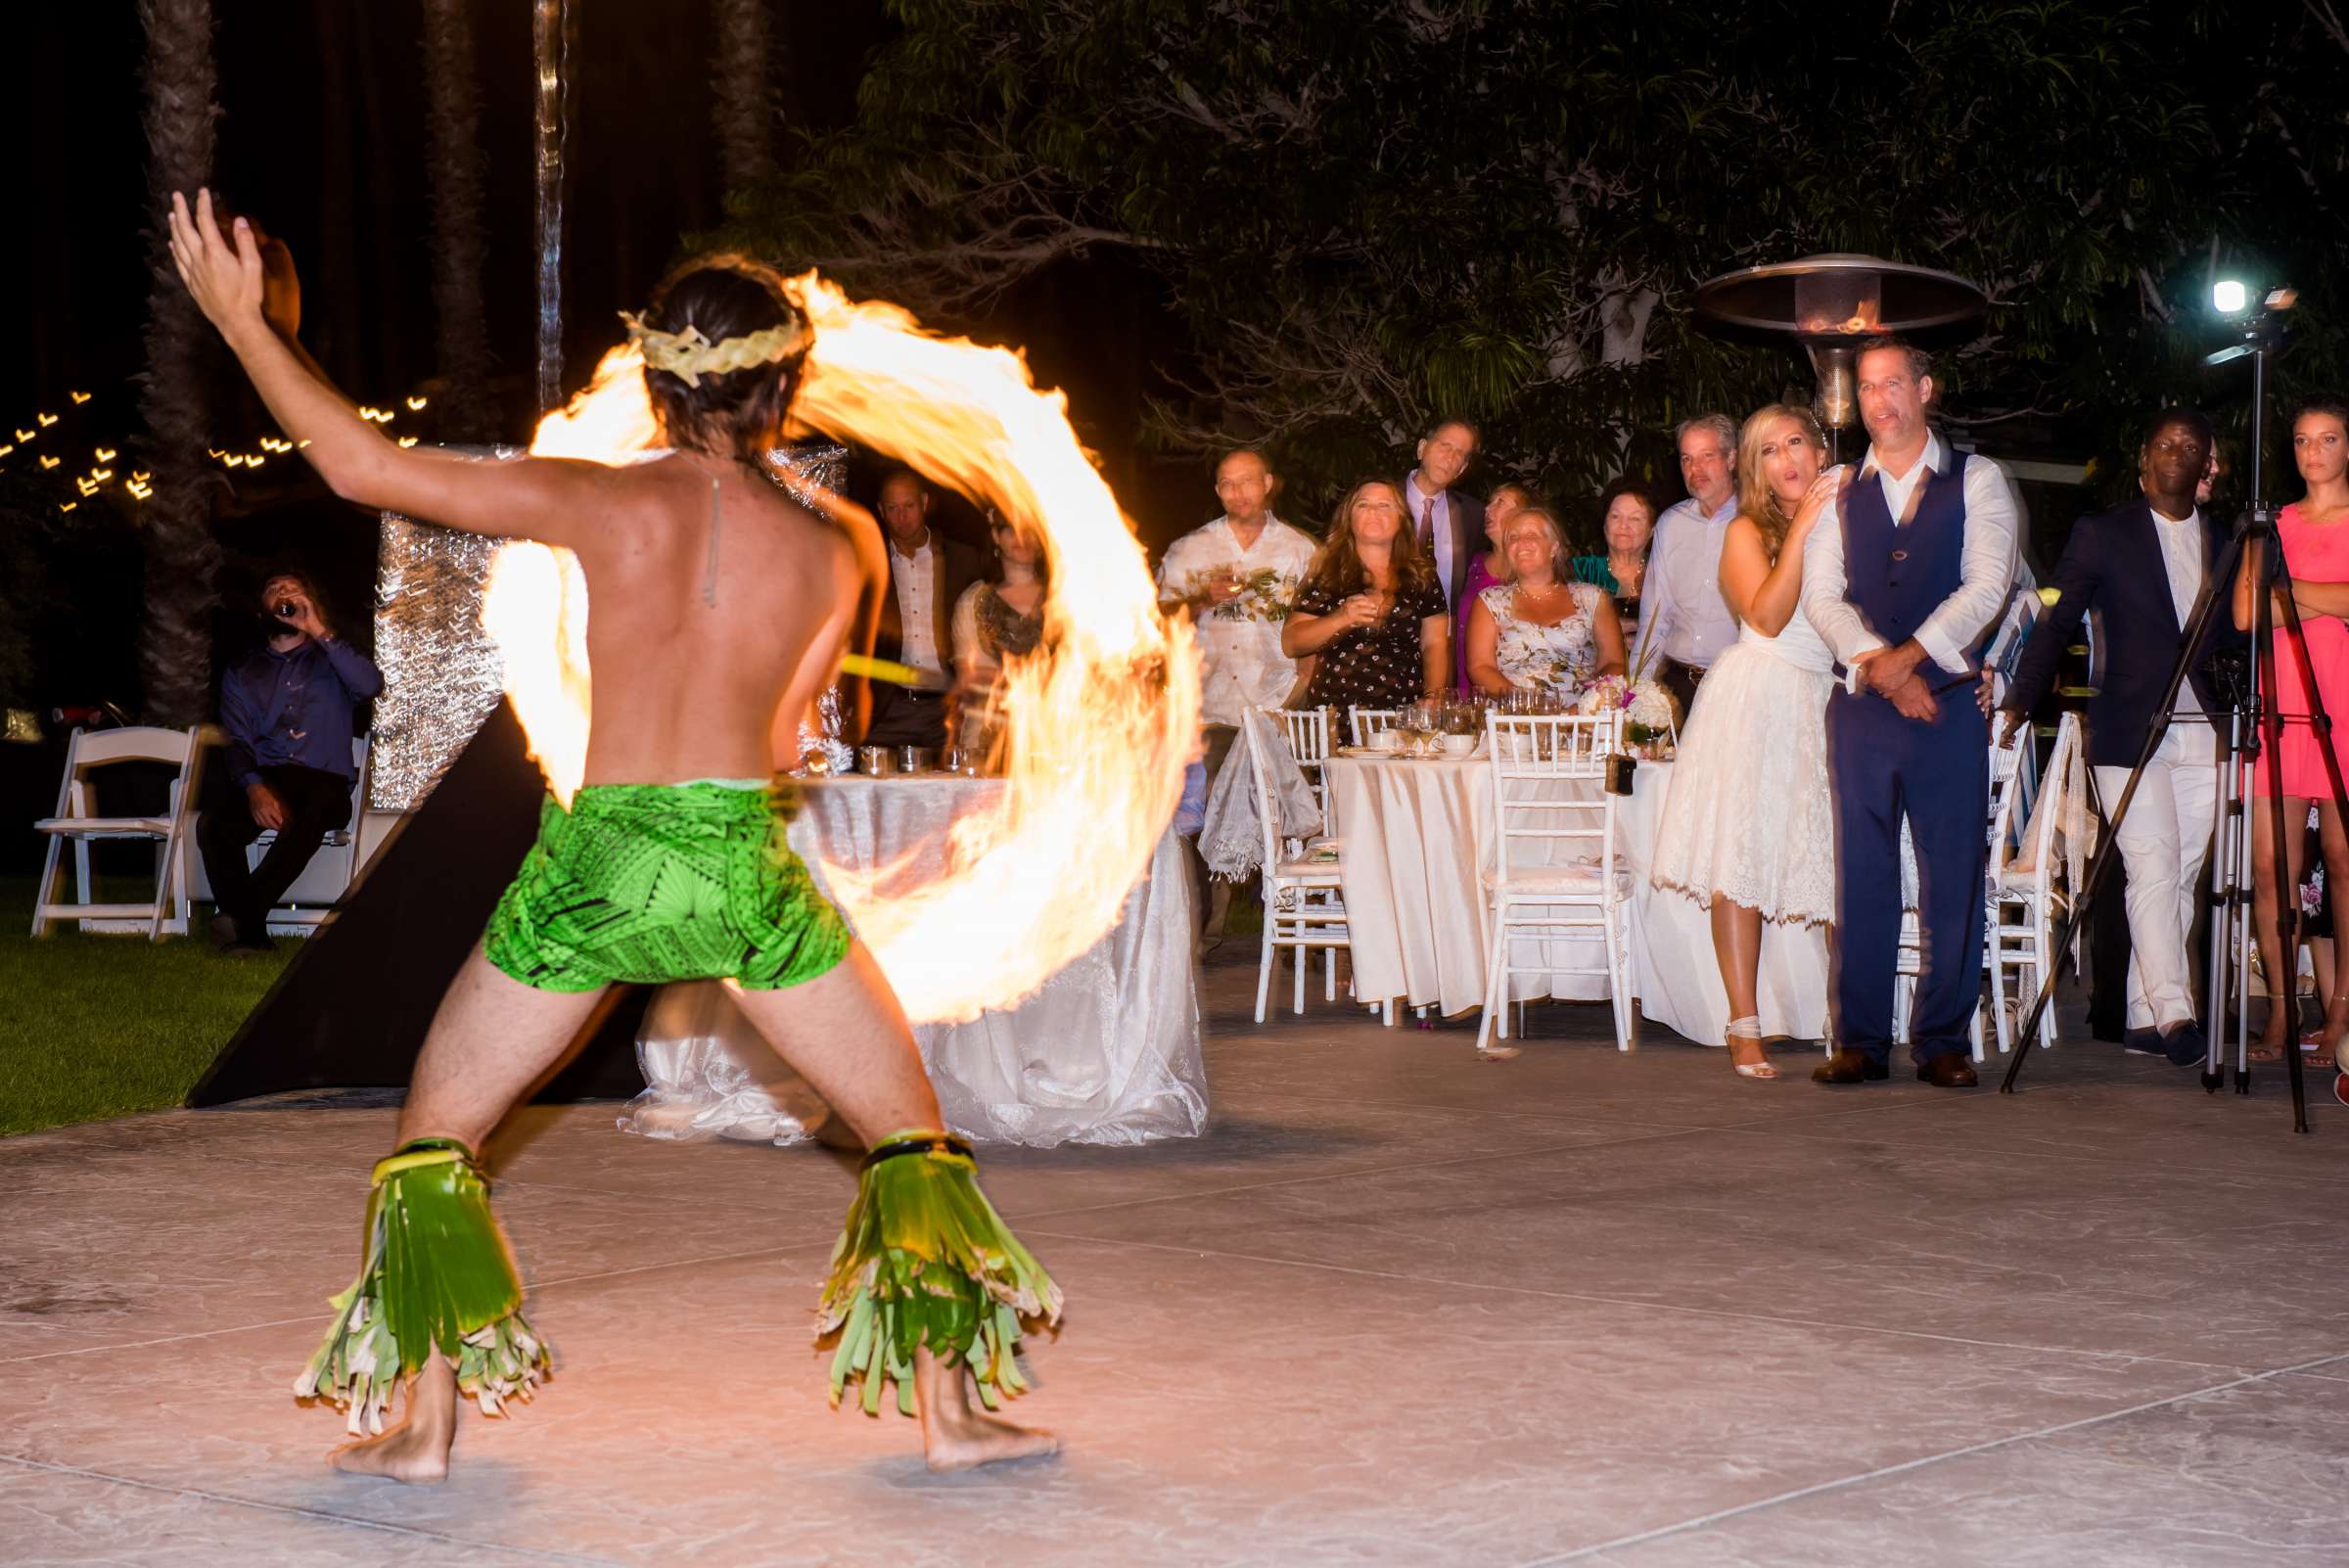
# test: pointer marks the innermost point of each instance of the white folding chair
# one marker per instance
(2029, 888)
(309, 902)
(1555, 875)
(1304, 902)
(1306, 730)
(1368, 721)
(76, 819)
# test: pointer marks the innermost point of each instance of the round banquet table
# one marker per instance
(1417, 835)
(1106, 1052)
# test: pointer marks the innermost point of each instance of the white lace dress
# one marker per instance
(1748, 817)
(1557, 658)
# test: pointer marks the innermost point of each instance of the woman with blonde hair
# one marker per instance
(1748, 830)
(1540, 631)
(1372, 610)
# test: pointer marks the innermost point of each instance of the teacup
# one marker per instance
(1384, 740)
(1458, 745)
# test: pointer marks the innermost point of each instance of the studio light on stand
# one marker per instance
(2254, 724)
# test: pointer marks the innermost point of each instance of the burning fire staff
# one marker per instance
(668, 863)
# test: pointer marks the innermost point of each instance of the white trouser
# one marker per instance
(2163, 843)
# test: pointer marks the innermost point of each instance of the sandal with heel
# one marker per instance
(1748, 1028)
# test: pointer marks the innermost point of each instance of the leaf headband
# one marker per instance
(689, 356)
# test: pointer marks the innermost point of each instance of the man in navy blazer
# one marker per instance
(1450, 522)
(2140, 569)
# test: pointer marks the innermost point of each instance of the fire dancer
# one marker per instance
(720, 609)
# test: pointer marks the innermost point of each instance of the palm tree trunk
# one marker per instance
(461, 343)
(183, 559)
(742, 105)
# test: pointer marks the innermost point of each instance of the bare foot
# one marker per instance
(958, 1437)
(416, 1450)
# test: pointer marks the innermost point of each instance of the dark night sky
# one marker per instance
(323, 139)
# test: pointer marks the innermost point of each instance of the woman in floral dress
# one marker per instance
(1538, 631)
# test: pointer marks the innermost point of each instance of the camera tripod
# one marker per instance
(2254, 724)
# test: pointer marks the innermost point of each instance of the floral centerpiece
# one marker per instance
(1648, 710)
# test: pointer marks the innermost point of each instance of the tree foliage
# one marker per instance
(1368, 213)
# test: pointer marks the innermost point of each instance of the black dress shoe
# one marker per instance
(224, 932)
(1849, 1066)
(1949, 1070)
(2143, 1042)
(2185, 1045)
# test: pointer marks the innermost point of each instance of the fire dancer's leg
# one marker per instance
(492, 1038)
(845, 1032)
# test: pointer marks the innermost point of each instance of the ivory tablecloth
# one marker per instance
(1418, 834)
(1106, 1052)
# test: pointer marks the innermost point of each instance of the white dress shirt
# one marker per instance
(916, 578)
(1430, 520)
(1987, 565)
(2182, 558)
(1240, 662)
(1685, 615)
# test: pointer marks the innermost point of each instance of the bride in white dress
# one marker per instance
(1747, 829)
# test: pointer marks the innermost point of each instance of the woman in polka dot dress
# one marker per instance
(1371, 611)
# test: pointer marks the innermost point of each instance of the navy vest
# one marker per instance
(1897, 573)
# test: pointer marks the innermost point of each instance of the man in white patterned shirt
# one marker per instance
(1238, 578)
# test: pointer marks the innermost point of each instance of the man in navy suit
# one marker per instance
(1450, 522)
(1905, 580)
(2140, 569)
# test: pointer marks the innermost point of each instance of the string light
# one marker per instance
(102, 475)
(5, 450)
(46, 420)
(414, 404)
(26, 435)
(79, 399)
(406, 442)
(51, 462)
(68, 506)
(137, 478)
(106, 454)
(86, 487)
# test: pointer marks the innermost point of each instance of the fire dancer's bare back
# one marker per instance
(717, 611)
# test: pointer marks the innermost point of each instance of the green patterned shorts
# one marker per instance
(645, 883)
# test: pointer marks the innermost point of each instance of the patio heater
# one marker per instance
(1830, 303)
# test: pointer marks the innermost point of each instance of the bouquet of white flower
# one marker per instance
(1648, 710)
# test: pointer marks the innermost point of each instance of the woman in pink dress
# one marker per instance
(2315, 532)
(1489, 568)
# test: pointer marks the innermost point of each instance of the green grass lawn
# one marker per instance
(104, 1026)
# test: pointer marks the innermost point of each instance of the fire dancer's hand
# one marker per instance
(226, 280)
(268, 809)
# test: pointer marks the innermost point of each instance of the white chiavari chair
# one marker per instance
(1368, 721)
(1305, 901)
(2030, 884)
(1306, 730)
(1555, 876)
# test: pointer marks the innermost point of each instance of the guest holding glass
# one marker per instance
(1538, 631)
(1748, 827)
(2313, 531)
(1373, 610)
(1489, 568)
(1689, 623)
(1626, 522)
(999, 616)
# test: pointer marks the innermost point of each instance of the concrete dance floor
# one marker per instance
(1398, 1307)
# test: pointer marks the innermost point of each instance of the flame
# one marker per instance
(1099, 724)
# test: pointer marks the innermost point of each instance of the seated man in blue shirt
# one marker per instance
(287, 709)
